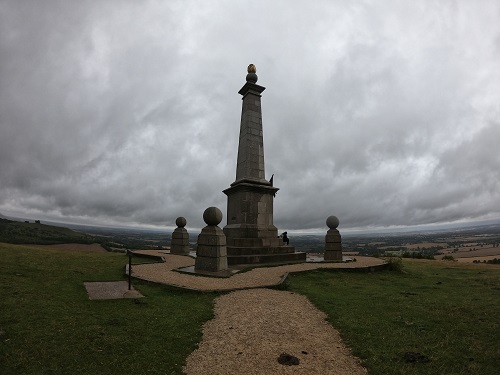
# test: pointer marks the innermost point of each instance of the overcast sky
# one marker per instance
(383, 113)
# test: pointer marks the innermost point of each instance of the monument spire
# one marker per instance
(250, 164)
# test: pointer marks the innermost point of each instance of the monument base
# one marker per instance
(333, 243)
(246, 246)
(237, 255)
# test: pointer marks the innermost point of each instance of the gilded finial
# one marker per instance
(251, 68)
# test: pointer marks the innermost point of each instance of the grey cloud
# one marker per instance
(119, 112)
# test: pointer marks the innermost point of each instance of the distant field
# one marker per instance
(426, 245)
(414, 246)
(472, 259)
(469, 252)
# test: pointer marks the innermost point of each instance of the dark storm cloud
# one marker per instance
(124, 112)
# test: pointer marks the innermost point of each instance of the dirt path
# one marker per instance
(252, 328)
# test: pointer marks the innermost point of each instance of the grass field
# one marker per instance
(49, 326)
(445, 311)
(23, 233)
(448, 313)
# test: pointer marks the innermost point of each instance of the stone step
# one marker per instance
(254, 242)
(266, 258)
(240, 250)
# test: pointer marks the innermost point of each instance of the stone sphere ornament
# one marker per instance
(181, 222)
(251, 76)
(332, 222)
(212, 216)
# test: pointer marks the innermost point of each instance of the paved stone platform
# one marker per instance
(166, 272)
(110, 290)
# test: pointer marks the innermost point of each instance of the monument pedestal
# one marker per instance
(211, 253)
(180, 238)
(333, 241)
(263, 255)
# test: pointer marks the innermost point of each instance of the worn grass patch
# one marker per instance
(447, 314)
(49, 326)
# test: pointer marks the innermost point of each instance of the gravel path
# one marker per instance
(258, 277)
(252, 328)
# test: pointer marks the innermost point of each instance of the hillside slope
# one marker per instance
(36, 233)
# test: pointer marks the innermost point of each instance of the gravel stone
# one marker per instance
(252, 328)
(163, 273)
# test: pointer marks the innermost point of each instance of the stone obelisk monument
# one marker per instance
(251, 234)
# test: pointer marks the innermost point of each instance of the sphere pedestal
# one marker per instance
(180, 238)
(333, 241)
(211, 254)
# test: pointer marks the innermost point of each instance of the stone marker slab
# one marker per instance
(110, 290)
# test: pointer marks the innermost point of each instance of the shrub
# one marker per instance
(448, 257)
(395, 264)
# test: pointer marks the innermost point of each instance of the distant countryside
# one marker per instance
(478, 244)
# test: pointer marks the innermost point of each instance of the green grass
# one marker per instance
(49, 326)
(35, 233)
(447, 312)
(443, 310)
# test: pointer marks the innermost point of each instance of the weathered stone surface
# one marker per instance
(255, 242)
(333, 242)
(181, 222)
(333, 256)
(292, 257)
(180, 241)
(210, 264)
(212, 216)
(211, 253)
(250, 205)
(251, 150)
(333, 235)
(250, 197)
(212, 239)
(178, 235)
(260, 250)
(332, 222)
(334, 246)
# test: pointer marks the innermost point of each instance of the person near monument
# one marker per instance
(285, 238)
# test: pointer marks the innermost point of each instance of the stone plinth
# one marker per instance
(211, 253)
(180, 238)
(250, 212)
(333, 241)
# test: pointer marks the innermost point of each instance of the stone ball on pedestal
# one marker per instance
(252, 77)
(181, 222)
(332, 222)
(212, 216)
